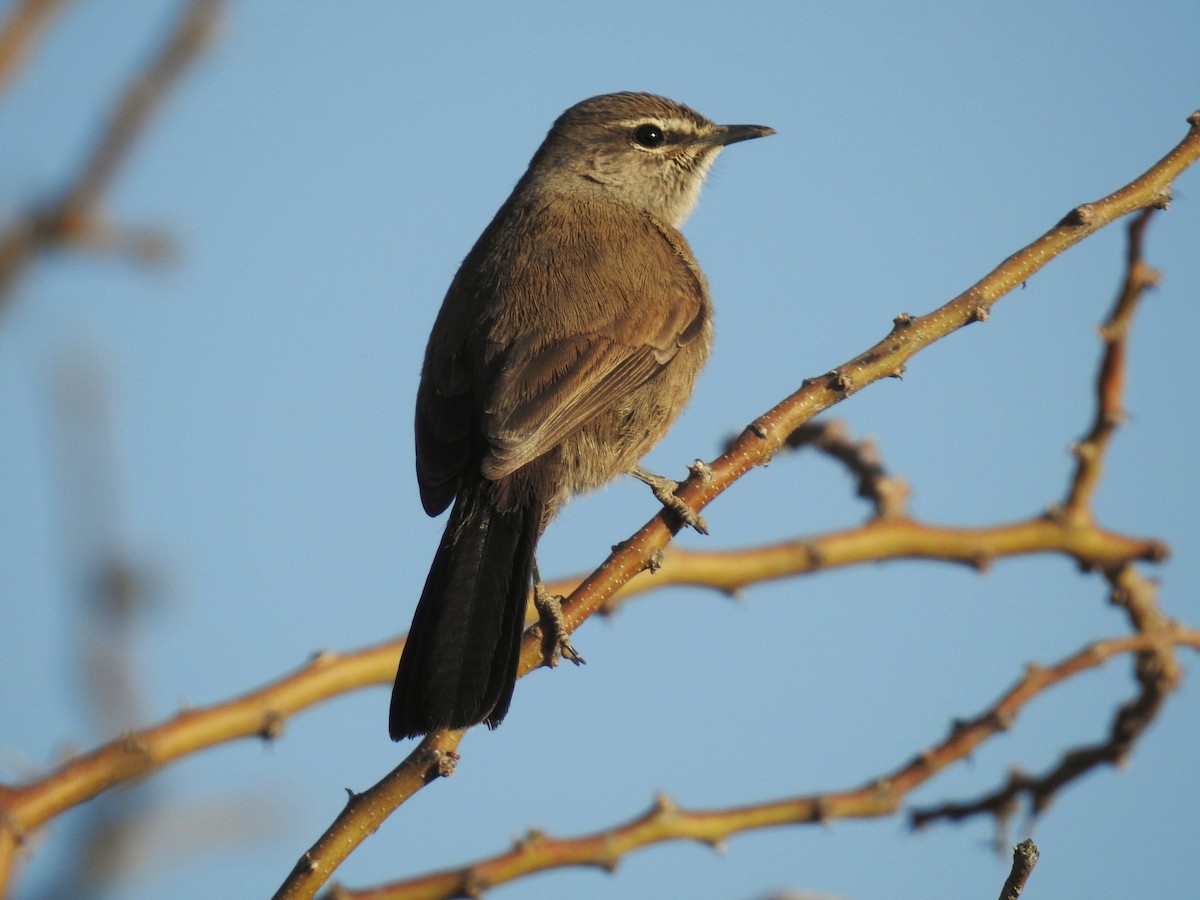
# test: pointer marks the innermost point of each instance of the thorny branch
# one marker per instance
(1157, 671)
(666, 821)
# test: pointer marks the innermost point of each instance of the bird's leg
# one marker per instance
(555, 642)
(664, 490)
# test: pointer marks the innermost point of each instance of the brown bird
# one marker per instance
(568, 343)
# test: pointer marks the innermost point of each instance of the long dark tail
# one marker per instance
(459, 664)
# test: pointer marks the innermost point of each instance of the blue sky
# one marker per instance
(321, 174)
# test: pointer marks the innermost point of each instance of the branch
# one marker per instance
(886, 494)
(754, 447)
(666, 821)
(74, 217)
(1157, 670)
(1156, 680)
(1110, 384)
(730, 571)
(263, 712)
(23, 27)
(1025, 857)
(260, 713)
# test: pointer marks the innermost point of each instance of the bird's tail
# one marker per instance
(459, 663)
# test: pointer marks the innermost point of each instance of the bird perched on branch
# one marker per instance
(567, 344)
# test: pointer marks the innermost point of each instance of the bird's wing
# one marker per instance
(445, 424)
(627, 311)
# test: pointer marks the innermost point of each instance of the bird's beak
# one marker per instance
(731, 134)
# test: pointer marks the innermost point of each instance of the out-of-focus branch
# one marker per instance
(667, 822)
(22, 28)
(887, 494)
(75, 218)
(762, 438)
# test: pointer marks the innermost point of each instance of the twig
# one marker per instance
(1025, 857)
(887, 494)
(1110, 383)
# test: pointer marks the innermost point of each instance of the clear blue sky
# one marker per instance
(322, 173)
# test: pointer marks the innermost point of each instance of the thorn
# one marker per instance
(272, 725)
(822, 810)
(815, 557)
(1056, 513)
(1078, 217)
(530, 838)
(981, 561)
(841, 382)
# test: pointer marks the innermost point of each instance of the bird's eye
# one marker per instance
(649, 135)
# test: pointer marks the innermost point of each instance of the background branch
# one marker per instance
(22, 28)
(76, 218)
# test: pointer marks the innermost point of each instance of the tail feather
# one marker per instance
(460, 659)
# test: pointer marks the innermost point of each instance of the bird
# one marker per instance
(568, 342)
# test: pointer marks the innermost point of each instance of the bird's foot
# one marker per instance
(556, 644)
(664, 490)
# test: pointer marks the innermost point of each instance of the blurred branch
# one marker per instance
(887, 495)
(762, 438)
(75, 218)
(22, 28)
(666, 821)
